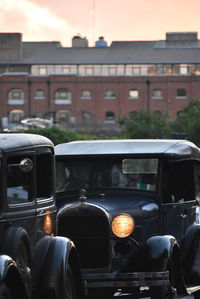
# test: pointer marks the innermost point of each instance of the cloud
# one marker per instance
(34, 21)
(115, 20)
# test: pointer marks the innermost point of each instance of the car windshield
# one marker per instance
(99, 173)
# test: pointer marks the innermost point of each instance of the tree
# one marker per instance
(188, 122)
(57, 135)
(145, 125)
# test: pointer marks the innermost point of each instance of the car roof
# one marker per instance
(168, 147)
(13, 141)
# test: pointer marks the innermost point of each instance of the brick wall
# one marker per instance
(98, 105)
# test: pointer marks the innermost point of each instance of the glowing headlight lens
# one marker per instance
(122, 225)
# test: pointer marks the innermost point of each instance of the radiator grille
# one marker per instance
(91, 236)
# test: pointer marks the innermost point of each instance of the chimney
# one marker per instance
(181, 36)
(79, 42)
(101, 43)
(10, 47)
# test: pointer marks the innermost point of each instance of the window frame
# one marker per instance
(16, 100)
(109, 97)
(86, 97)
(133, 97)
(180, 90)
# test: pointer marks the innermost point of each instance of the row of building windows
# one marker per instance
(17, 115)
(117, 69)
(64, 96)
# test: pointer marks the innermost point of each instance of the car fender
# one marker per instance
(10, 274)
(191, 233)
(50, 261)
(163, 254)
(160, 247)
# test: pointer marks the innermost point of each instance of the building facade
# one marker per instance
(81, 86)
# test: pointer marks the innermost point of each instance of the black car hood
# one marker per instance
(138, 205)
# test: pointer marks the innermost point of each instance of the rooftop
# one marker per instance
(169, 147)
(182, 47)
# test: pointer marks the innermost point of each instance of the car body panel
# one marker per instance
(155, 182)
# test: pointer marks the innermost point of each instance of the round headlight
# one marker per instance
(122, 225)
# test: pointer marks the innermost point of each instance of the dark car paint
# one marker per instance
(161, 225)
(23, 222)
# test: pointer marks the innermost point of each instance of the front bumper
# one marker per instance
(126, 280)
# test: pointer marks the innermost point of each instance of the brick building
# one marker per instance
(86, 87)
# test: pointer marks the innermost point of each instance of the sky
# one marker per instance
(116, 20)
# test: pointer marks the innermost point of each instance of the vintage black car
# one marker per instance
(34, 263)
(131, 208)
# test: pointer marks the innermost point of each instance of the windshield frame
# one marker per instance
(95, 161)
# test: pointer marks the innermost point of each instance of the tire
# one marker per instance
(16, 244)
(70, 286)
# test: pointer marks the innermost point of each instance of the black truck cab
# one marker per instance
(34, 261)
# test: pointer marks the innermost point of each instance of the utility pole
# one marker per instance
(93, 25)
(148, 95)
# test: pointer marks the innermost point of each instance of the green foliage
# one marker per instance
(145, 125)
(57, 135)
(188, 122)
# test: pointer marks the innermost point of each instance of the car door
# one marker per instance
(178, 208)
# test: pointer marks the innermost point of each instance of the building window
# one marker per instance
(66, 69)
(110, 116)
(157, 94)
(132, 69)
(85, 70)
(184, 69)
(86, 94)
(110, 94)
(133, 94)
(113, 70)
(42, 70)
(97, 70)
(16, 97)
(16, 116)
(39, 94)
(62, 96)
(86, 116)
(181, 93)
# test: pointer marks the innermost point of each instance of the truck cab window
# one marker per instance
(44, 175)
(178, 181)
(19, 183)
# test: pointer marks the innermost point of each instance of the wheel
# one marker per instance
(16, 244)
(70, 287)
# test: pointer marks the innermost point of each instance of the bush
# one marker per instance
(145, 125)
(57, 135)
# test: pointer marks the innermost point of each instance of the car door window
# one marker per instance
(19, 182)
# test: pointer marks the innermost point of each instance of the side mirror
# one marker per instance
(26, 165)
